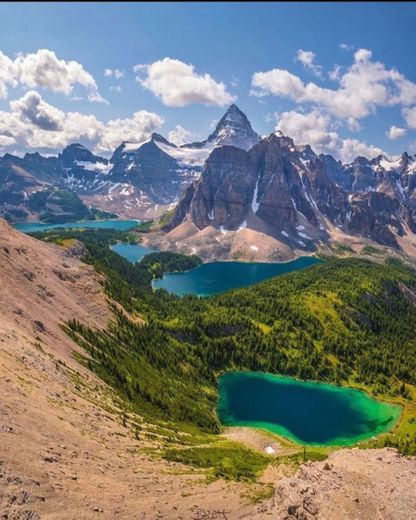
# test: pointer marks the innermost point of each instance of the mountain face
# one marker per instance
(29, 191)
(300, 198)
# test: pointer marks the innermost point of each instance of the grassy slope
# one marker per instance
(347, 321)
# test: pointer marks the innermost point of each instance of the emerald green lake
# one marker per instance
(120, 225)
(306, 412)
(216, 277)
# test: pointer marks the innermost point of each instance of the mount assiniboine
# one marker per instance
(237, 192)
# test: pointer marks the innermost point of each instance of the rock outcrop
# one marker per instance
(353, 484)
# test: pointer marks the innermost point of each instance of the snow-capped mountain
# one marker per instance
(140, 179)
(231, 181)
(233, 129)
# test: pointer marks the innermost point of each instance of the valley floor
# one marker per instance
(258, 245)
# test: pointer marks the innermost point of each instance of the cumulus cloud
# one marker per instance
(32, 123)
(179, 135)
(32, 108)
(307, 58)
(7, 76)
(115, 88)
(363, 87)
(134, 129)
(43, 69)
(178, 84)
(318, 130)
(312, 128)
(115, 73)
(395, 132)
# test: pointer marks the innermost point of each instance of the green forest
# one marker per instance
(345, 321)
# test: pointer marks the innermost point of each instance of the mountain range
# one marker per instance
(235, 180)
(139, 180)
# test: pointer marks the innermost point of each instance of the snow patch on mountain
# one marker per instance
(254, 203)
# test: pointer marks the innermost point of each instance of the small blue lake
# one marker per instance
(132, 252)
(217, 277)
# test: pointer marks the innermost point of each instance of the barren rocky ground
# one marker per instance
(67, 452)
(351, 484)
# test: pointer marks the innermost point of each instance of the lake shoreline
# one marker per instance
(362, 398)
(211, 278)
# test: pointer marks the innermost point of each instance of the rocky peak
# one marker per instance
(77, 152)
(405, 159)
(336, 172)
(306, 152)
(9, 158)
(234, 129)
(157, 138)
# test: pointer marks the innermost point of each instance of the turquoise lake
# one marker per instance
(216, 277)
(305, 412)
(120, 225)
(132, 252)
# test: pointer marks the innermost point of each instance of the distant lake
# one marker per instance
(132, 252)
(306, 412)
(120, 225)
(216, 277)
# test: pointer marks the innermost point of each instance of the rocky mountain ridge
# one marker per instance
(299, 198)
(231, 181)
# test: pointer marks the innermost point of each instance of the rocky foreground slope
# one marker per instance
(68, 451)
(350, 485)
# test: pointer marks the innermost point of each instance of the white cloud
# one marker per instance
(116, 88)
(318, 130)
(43, 69)
(179, 135)
(135, 129)
(312, 128)
(32, 123)
(363, 87)
(307, 58)
(278, 82)
(352, 148)
(395, 132)
(33, 109)
(116, 73)
(177, 84)
(271, 117)
(335, 74)
(96, 97)
(409, 115)
(7, 76)
(345, 47)
(6, 141)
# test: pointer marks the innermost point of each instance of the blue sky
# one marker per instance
(230, 42)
